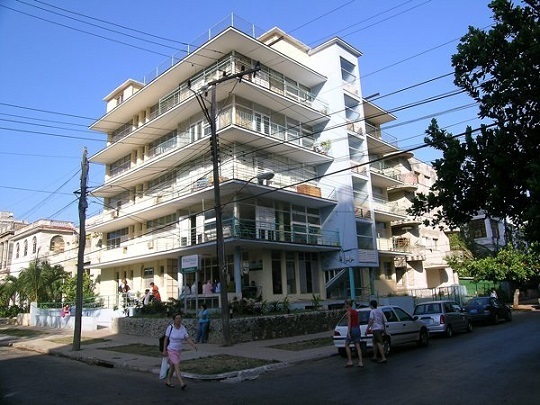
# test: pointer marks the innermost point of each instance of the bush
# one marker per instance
(12, 311)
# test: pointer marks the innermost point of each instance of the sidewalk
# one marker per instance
(94, 353)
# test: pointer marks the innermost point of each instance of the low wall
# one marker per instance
(90, 320)
(242, 329)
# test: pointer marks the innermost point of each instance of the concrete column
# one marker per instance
(352, 284)
(237, 270)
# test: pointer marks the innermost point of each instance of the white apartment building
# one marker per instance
(304, 212)
(50, 240)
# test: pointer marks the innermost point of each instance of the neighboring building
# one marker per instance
(423, 270)
(50, 240)
(8, 227)
(304, 212)
(488, 232)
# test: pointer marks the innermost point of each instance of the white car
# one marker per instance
(401, 328)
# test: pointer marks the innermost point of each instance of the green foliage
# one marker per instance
(496, 170)
(315, 300)
(508, 264)
(285, 304)
(12, 311)
(40, 282)
(69, 289)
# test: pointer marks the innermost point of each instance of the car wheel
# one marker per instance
(508, 316)
(449, 332)
(469, 326)
(496, 319)
(423, 339)
(387, 346)
(342, 352)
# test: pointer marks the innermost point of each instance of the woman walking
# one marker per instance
(175, 334)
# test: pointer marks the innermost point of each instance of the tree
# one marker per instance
(508, 264)
(498, 170)
(41, 282)
(70, 288)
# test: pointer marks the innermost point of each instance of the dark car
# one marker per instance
(488, 309)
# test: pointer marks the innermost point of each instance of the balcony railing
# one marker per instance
(232, 228)
(278, 84)
(266, 231)
(244, 118)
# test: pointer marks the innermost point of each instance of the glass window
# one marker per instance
(402, 315)
(477, 228)
(291, 272)
(277, 286)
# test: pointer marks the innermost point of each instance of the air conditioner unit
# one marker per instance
(150, 244)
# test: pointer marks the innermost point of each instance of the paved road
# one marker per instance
(494, 364)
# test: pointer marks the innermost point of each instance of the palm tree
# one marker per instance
(8, 291)
(41, 282)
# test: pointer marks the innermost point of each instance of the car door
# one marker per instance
(452, 316)
(462, 316)
(409, 327)
(393, 325)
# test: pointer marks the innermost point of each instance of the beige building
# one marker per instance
(50, 240)
(311, 206)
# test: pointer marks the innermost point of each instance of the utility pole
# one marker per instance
(220, 247)
(80, 260)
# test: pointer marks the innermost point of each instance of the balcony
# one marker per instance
(235, 231)
(234, 124)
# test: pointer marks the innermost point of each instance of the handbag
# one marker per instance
(162, 339)
(164, 368)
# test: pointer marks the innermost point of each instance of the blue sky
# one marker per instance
(55, 72)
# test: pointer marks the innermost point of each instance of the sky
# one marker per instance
(60, 58)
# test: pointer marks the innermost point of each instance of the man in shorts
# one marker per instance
(377, 326)
(353, 334)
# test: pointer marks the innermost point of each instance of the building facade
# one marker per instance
(310, 201)
(45, 240)
(8, 226)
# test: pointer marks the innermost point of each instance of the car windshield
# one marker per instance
(431, 308)
(363, 318)
(478, 301)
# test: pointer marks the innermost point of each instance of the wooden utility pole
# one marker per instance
(80, 260)
(220, 246)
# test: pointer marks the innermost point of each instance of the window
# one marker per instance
(477, 228)
(17, 251)
(148, 276)
(262, 123)
(309, 272)
(291, 272)
(277, 286)
(387, 270)
(494, 228)
(114, 239)
(166, 222)
(25, 248)
(34, 245)
(57, 244)
(347, 71)
(121, 165)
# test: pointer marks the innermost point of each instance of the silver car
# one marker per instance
(401, 328)
(443, 317)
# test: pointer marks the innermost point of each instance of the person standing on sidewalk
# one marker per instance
(175, 334)
(204, 323)
(353, 334)
(377, 326)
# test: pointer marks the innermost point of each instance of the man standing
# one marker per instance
(377, 326)
(353, 334)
